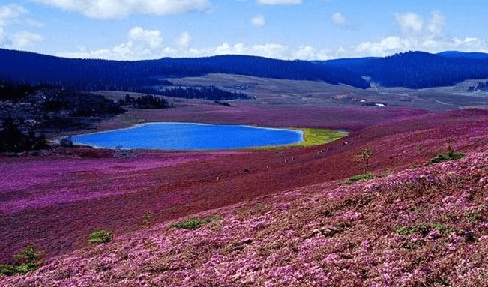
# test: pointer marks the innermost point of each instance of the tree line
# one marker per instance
(12, 139)
(207, 93)
(145, 102)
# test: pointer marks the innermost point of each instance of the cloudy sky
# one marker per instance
(285, 29)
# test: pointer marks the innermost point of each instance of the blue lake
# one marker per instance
(188, 136)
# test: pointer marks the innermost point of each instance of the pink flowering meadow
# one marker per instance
(424, 226)
(28, 174)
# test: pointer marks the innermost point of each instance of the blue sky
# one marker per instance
(285, 29)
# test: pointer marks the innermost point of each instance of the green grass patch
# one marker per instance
(446, 157)
(441, 227)
(194, 223)
(424, 228)
(30, 258)
(450, 155)
(359, 177)
(311, 136)
(100, 236)
(314, 136)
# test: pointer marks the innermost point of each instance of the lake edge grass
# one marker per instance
(318, 136)
(311, 137)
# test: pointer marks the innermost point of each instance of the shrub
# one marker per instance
(194, 223)
(30, 258)
(12, 139)
(210, 219)
(100, 236)
(450, 155)
(147, 218)
(424, 228)
(364, 156)
(359, 177)
(405, 230)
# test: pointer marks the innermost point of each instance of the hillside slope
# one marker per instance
(282, 218)
(420, 227)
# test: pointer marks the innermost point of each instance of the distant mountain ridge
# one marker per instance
(470, 55)
(418, 69)
(410, 70)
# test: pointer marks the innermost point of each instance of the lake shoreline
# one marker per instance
(291, 140)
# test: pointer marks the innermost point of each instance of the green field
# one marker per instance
(314, 136)
(311, 136)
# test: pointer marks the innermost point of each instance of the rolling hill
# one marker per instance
(410, 70)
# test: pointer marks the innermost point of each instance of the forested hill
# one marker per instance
(417, 69)
(412, 70)
(93, 74)
(76, 74)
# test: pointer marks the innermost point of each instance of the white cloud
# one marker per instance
(338, 18)
(386, 46)
(141, 44)
(415, 36)
(394, 44)
(410, 22)
(109, 9)
(306, 52)
(8, 15)
(24, 40)
(128, 51)
(140, 36)
(270, 50)
(184, 40)
(280, 2)
(436, 24)
(259, 20)
(148, 44)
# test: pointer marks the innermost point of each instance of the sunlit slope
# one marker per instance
(425, 226)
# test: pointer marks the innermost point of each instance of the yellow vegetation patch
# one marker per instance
(314, 136)
(311, 136)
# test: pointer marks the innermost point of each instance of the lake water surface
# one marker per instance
(189, 136)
